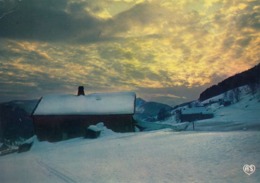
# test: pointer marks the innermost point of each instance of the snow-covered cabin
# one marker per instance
(58, 117)
(195, 113)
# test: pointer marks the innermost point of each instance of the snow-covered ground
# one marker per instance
(155, 156)
(215, 152)
(242, 115)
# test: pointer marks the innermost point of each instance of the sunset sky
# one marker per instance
(164, 50)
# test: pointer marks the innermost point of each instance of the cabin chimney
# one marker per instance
(81, 90)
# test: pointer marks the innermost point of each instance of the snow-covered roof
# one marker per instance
(92, 104)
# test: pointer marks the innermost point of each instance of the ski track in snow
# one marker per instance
(56, 172)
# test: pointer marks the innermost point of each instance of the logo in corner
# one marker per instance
(249, 169)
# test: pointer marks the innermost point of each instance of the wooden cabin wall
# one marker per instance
(194, 117)
(55, 128)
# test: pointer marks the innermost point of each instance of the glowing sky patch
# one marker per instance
(113, 45)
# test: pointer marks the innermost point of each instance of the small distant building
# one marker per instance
(225, 102)
(58, 117)
(194, 114)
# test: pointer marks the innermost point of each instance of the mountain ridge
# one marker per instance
(249, 77)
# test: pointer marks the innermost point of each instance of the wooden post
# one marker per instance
(193, 125)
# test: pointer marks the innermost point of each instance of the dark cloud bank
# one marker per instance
(47, 20)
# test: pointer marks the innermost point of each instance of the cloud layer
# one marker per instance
(163, 50)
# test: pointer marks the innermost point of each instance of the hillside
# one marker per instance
(148, 111)
(250, 77)
(15, 120)
(239, 115)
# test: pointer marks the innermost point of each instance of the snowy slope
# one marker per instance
(242, 115)
(239, 115)
(158, 156)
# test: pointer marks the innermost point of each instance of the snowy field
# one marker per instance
(156, 156)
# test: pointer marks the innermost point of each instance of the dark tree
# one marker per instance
(163, 114)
